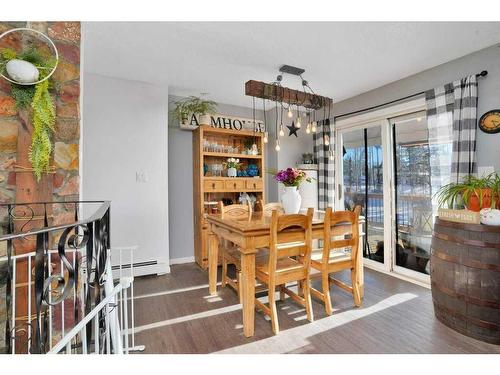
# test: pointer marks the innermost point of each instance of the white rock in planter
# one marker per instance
(22, 71)
(490, 216)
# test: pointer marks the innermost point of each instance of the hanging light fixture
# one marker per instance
(314, 127)
(287, 98)
(282, 129)
(266, 134)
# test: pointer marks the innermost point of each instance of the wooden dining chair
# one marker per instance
(334, 258)
(230, 253)
(268, 208)
(279, 268)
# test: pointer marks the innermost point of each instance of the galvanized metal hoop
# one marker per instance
(50, 42)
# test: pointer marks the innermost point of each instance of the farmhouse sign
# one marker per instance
(192, 121)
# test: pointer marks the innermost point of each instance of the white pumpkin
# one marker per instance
(490, 216)
(22, 71)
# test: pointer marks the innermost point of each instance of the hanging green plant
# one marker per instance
(38, 101)
(193, 104)
(44, 119)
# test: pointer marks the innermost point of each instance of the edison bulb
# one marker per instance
(265, 137)
(313, 126)
(282, 132)
(277, 147)
(298, 123)
(331, 155)
(308, 128)
(289, 113)
(327, 140)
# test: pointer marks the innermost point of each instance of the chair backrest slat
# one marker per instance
(351, 235)
(301, 245)
(235, 211)
(268, 208)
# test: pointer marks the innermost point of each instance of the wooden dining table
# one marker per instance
(251, 235)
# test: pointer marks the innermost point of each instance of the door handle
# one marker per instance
(339, 188)
(213, 185)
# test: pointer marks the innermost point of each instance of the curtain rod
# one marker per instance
(484, 73)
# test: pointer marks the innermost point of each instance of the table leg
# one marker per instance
(213, 255)
(248, 290)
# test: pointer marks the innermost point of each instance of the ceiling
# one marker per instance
(341, 59)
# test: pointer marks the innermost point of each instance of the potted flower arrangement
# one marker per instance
(232, 165)
(198, 106)
(291, 178)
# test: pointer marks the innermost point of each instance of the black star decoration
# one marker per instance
(293, 129)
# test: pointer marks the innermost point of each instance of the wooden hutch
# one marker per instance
(212, 147)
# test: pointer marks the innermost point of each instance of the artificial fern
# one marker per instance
(42, 105)
(44, 118)
(23, 95)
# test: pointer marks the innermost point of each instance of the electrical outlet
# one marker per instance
(141, 177)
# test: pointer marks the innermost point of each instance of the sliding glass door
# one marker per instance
(393, 167)
(363, 184)
(422, 164)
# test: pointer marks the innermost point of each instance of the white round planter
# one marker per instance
(291, 200)
(22, 71)
(204, 119)
(490, 216)
(231, 172)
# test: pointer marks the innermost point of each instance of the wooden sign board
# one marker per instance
(191, 122)
(459, 216)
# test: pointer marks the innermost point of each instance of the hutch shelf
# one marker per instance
(212, 147)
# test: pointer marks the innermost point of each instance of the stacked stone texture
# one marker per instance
(66, 93)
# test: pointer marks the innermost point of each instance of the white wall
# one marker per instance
(125, 131)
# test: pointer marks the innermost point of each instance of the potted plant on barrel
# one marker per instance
(194, 105)
(473, 192)
(291, 178)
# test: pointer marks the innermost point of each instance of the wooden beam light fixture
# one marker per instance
(286, 98)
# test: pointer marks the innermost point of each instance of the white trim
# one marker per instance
(381, 114)
(380, 117)
(182, 260)
(410, 279)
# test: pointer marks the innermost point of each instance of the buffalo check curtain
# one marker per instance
(326, 177)
(452, 109)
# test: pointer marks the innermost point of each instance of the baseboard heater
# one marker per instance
(138, 264)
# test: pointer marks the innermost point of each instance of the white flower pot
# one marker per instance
(291, 200)
(204, 119)
(490, 216)
(231, 172)
(22, 71)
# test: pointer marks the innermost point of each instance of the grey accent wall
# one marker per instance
(488, 150)
(180, 183)
(291, 151)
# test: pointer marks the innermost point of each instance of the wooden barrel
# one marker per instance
(465, 278)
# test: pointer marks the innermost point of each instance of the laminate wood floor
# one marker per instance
(175, 314)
